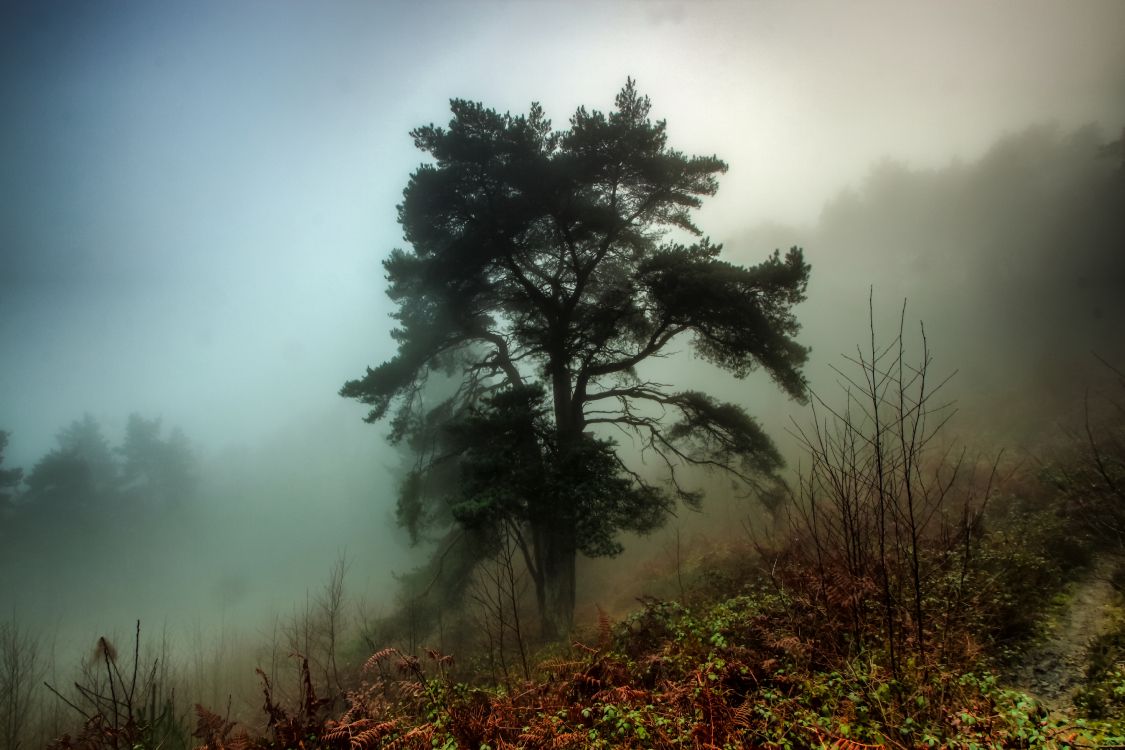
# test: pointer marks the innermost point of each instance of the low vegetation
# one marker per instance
(760, 667)
(902, 585)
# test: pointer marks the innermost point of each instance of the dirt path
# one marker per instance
(1054, 669)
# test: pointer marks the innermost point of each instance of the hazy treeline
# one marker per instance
(135, 520)
(75, 526)
(232, 558)
(79, 521)
(86, 473)
(1012, 260)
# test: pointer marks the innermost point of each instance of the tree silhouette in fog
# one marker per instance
(545, 268)
(86, 473)
(79, 475)
(61, 480)
(9, 478)
(85, 439)
(156, 469)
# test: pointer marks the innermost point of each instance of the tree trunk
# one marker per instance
(557, 600)
(559, 539)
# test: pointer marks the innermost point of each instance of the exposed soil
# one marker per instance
(1053, 670)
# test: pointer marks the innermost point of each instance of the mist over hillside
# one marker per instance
(1012, 261)
(198, 200)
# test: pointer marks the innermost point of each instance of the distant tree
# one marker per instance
(61, 480)
(9, 478)
(180, 470)
(543, 272)
(80, 474)
(157, 469)
(85, 439)
(141, 450)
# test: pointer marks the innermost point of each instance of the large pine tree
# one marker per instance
(543, 268)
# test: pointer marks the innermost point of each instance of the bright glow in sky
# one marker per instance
(195, 197)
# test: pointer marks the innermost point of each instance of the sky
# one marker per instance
(196, 197)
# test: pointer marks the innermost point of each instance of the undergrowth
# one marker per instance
(1103, 694)
(723, 675)
(752, 659)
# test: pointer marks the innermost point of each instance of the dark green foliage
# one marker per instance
(503, 483)
(1103, 695)
(540, 275)
(604, 500)
(504, 461)
(1092, 483)
(1031, 550)
(741, 317)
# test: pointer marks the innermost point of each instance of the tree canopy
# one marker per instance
(544, 267)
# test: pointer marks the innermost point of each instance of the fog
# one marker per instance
(196, 198)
